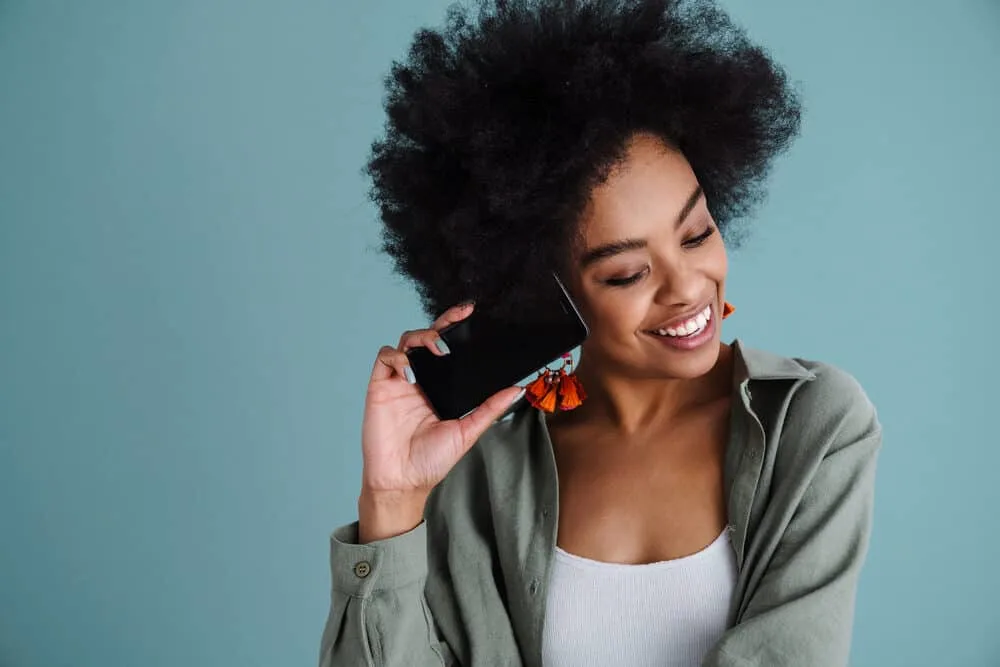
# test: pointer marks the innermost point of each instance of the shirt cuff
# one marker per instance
(362, 569)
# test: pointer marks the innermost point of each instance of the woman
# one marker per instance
(708, 503)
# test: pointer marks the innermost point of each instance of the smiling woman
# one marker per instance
(709, 503)
(652, 266)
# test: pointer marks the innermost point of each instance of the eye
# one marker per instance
(701, 238)
(627, 280)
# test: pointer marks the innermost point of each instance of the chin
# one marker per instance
(695, 364)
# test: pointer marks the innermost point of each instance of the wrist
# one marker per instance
(385, 514)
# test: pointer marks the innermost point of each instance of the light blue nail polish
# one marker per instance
(519, 396)
(408, 374)
(442, 346)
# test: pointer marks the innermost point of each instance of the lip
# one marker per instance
(689, 342)
(683, 318)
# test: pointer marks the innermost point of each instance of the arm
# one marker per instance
(801, 613)
(378, 614)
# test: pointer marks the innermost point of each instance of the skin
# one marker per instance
(640, 462)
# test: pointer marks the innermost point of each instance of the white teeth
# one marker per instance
(690, 327)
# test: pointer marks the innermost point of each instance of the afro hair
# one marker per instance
(500, 124)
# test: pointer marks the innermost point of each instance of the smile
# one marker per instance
(688, 328)
(689, 334)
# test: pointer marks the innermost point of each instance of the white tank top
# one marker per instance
(665, 614)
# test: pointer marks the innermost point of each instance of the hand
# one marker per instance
(406, 449)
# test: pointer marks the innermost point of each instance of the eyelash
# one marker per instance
(623, 282)
(690, 243)
(701, 238)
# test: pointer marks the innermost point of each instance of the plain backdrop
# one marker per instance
(191, 297)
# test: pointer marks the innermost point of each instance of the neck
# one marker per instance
(630, 404)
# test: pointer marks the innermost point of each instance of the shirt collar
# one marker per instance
(761, 365)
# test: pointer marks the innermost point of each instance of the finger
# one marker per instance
(423, 338)
(476, 422)
(390, 362)
(452, 315)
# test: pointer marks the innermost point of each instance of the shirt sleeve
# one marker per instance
(378, 612)
(801, 613)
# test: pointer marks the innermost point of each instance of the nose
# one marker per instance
(680, 284)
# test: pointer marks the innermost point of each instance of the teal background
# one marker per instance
(191, 297)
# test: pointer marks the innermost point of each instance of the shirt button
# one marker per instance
(362, 569)
(545, 513)
(533, 588)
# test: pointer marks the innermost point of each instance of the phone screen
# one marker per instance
(488, 354)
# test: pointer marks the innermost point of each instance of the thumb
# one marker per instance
(476, 422)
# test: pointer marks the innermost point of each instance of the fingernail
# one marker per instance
(408, 374)
(519, 396)
(442, 346)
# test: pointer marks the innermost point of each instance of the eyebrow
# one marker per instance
(624, 245)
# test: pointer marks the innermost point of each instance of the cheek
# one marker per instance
(717, 264)
(615, 312)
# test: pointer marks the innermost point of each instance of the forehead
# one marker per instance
(642, 195)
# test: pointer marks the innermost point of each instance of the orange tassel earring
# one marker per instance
(571, 393)
(727, 309)
(558, 389)
(540, 392)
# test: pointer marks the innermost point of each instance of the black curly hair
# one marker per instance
(501, 123)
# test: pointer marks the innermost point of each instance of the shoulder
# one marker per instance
(815, 414)
(809, 404)
(812, 392)
(832, 406)
(822, 437)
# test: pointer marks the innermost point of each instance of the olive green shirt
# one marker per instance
(468, 585)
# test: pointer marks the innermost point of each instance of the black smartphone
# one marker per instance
(489, 353)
